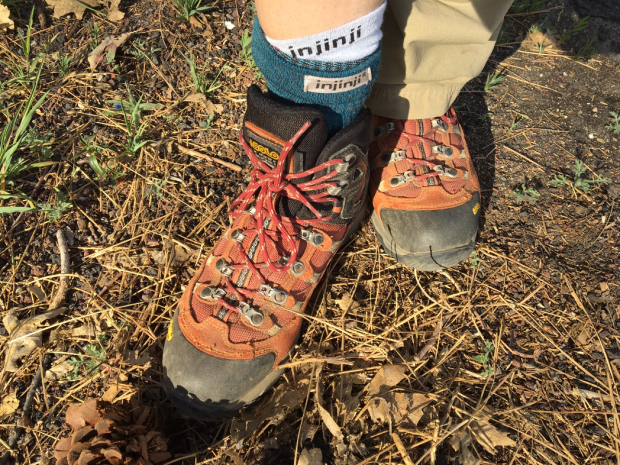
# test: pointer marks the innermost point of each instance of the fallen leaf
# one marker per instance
(107, 48)
(83, 331)
(9, 404)
(461, 441)
(176, 255)
(58, 372)
(5, 21)
(543, 39)
(584, 337)
(64, 7)
(195, 97)
(23, 331)
(489, 437)
(311, 457)
(36, 290)
(330, 424)
(387, 377)
(379, 410)
(604, 287)
(195, 23)
(347, 303)
(275, 410)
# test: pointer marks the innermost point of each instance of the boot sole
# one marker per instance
(425, 261)
(189, 408)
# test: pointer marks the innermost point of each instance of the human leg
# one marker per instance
(241, 314)
(424, 189)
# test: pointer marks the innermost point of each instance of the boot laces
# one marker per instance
(267, 186)
(433, 169)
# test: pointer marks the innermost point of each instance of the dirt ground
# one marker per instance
(512, 357)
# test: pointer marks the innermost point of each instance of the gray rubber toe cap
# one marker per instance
(209, 388)
(429, 240)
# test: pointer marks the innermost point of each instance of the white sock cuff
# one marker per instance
(349, 42)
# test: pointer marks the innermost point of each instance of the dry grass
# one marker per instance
(517, 348)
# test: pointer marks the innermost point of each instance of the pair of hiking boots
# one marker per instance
(241, 314)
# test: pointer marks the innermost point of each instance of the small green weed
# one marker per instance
(246, 53)
(525, 194)
(587, 51)
(576, 29)
(155, 188)
(506, 35)
(584, 185)
(94, 36)
(474, 259)
(88, 363)
(202, 85)
(484, 358)
(514, 125)
(492, 81)
(483, 116)
(541, 47)
(614, 123)
(188, 8)
(63, 64)
(20, 74)
(13, 139)
(206, 125)
(527, 6)
(141, 53)
(62, 204)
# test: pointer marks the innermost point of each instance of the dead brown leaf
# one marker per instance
(275, 410)
(584, 336)
(107, 48)
(174, 253)
(489, 437)
(21, 333)
(9, 404)
(311, 457)
(387, 377)
(379, 410)
(64, 7)
(58, 371)
(5, 21)
(347, 303)
(461, 442)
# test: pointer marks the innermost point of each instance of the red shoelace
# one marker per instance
(265, 189)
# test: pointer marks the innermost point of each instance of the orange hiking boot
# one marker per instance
(241, 314)
(424, 190)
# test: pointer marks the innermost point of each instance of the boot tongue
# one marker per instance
(270, 123)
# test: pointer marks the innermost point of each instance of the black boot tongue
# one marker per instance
(270, 123)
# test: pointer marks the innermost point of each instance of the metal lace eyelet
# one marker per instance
(446, 171)
(383, 130)
(251, 210)
(346, 164)
(212, 293)
(443, 150)
(298, 268)
(335, 190)
(222, 266)
(315, 238)
(275, 295)
(439, 123)
(401, 178)
(237, 235)
(390, 157)
(255, 317)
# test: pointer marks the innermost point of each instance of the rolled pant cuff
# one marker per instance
(402, 101)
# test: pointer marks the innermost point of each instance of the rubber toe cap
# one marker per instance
(209, 388)
(430, 240)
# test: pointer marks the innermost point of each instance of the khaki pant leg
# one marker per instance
(431, 48)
